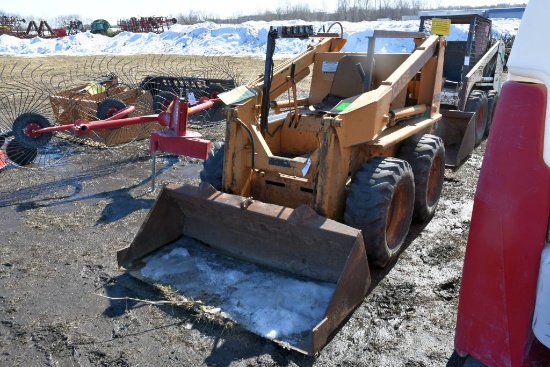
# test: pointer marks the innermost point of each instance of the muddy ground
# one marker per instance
(64, 301)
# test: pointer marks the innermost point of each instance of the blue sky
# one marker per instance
(113, 10)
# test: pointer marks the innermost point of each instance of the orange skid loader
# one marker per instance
(307, 191)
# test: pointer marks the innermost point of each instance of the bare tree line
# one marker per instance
(346, 10)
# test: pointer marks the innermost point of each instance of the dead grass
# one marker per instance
(63, 70)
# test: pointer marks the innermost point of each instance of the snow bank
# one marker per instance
(246, 39)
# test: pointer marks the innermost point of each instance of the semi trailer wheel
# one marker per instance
(426, 155)
(380, 203)
(212, 171)
(477, 102)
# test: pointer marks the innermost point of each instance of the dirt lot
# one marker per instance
(60, 301)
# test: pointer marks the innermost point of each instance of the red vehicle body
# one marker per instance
(503, 274)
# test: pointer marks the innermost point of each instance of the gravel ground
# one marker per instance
(61, 303)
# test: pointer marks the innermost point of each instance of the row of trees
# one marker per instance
(346, 10)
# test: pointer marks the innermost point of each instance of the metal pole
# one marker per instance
(153, 170)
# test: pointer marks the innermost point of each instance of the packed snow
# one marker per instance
(246, 39)
(271, 304)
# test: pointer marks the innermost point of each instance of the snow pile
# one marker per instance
(246, 39)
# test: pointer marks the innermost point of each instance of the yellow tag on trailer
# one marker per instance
(441, 27)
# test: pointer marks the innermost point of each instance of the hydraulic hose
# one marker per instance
(251, 139)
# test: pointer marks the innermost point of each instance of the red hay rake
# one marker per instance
(146, 24)
(33, 131)
(50, 117)
(13, 26)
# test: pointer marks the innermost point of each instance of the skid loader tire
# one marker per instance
(426, 155)
(380, 203)
(109, 107)
(477, 102)
(492, 98)
(212, 171)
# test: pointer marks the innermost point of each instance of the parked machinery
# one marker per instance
(313, 187)
(472, 71)
(146, 24)
(101, 26)
(74, 27)
(13, 27)
(93, 103)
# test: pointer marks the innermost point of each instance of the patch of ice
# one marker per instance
(455, 214)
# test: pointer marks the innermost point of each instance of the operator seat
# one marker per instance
(351, 78)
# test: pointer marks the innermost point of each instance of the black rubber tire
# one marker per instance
(19, 130)
(212, 171)
(380, 203)
(426, 155)
(162, 100)
(109, 107)
(20, 154)
(492, 99)
(477, 102)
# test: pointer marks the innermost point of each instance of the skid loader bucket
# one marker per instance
(286, 274)
(457, 129)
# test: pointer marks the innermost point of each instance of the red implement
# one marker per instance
(177, 139)
(3, 162)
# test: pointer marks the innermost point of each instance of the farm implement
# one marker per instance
(146, 24)
(13, 26)
(99, 100)
(103, 113)
(32, 131)
(106, 96)
(94, 101)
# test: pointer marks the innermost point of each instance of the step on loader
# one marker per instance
(307, 191)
